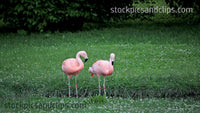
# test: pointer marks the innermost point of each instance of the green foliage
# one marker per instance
(193, 17)
(21, 32)
(40, 15)
(152, 60)
(143, 4)
(96, 99)
(77, 105)
(184, 3)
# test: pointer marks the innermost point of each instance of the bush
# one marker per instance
(40, 15)
(189, 17)
(184, 3)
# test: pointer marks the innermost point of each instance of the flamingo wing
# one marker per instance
(70, 66)
(102, 67)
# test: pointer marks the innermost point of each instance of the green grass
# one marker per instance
(96, 99)
(54, 104)
(152, 61)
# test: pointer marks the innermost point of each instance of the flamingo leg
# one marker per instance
(99, 85)
(104, 87)
(76, 86)
(69, 84)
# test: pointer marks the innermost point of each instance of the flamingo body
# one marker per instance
(73, 66)
(101, 67)
(104, 68)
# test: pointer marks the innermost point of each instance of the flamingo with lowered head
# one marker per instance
(73, 66)
(102, 67)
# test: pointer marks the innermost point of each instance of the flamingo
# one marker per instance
(102, 67)
(73, 66)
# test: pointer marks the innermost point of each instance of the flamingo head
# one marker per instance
(112, 58)
(91, 71)
(84, 55)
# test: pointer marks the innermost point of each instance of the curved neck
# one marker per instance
(110, 61)
(78, 59)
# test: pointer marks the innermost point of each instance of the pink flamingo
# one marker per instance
(102, 67)
(73, 66)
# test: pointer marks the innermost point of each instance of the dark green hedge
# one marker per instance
(191, 18)
(184, 3)
(40, 15)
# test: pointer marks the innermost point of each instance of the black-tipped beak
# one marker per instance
(86, 59)
(112, 62)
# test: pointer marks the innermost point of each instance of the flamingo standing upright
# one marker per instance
(73, 66)
(102, 67)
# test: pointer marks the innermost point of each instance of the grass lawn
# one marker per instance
(152, 61)
(55, 104)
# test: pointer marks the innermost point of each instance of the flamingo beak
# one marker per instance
(112, 62)
(92, 75)
(86, 60)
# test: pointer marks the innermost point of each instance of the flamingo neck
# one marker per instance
(110, 61)
(78, 59)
